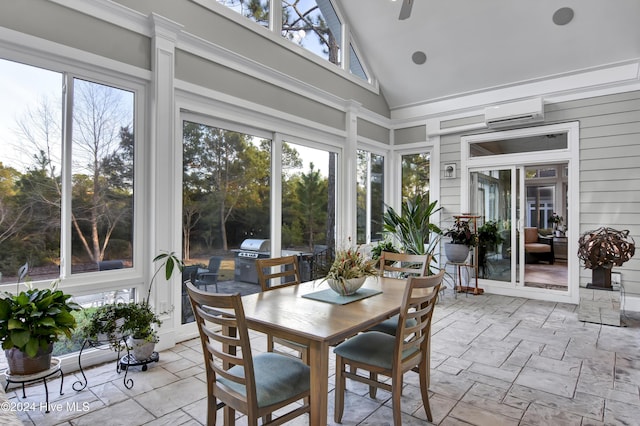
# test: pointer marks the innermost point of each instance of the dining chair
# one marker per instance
(275, 273)
(403, 265)
(400, 265)
(392, 356)
(255, 385)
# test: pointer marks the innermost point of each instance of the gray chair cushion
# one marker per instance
(372, 347)
(278, 377)
(390, 325)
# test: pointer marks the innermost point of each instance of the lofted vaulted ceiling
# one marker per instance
(478, 45)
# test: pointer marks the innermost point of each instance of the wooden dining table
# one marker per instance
(283, 312)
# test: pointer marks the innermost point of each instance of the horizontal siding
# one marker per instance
(613, 100)
(609, 141)
(615, 164)
(594, 175)
(449, 188)
(609, 169)
(610, 196)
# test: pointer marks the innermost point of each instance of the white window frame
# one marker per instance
(48, 55)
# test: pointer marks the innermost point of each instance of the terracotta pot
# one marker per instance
(21, 365)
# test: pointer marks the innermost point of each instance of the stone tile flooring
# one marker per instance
(495, 361)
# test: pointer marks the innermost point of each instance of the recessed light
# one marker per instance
(563, 16)
(419, 57)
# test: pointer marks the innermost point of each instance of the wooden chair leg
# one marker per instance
(372, 389)
(229, 416)
(396, 394)
(338, 408)
(424, 390)
(212, 410)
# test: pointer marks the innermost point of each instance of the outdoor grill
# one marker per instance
(252, 249)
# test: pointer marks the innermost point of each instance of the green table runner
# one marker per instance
(331, 296)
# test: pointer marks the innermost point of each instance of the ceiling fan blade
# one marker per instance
(405, 11)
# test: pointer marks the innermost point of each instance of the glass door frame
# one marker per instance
(518, 162)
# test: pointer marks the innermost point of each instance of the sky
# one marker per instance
(21, 88)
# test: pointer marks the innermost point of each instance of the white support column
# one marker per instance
(348, 208)
(164, 177)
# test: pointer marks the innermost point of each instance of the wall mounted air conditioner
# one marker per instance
(514, 113)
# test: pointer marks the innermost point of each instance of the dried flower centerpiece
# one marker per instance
(349, 271)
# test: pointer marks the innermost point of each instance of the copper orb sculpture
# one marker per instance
(601, 250)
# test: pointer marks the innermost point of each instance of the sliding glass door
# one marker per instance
(491, 198)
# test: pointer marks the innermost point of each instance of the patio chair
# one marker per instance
(210, 276)
(392, 356)
(107, 265)
(188, 276)
(253, 385)
(274, 273)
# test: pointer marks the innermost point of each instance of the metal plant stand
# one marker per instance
(130, 361)
(98, 344)
(43, 375)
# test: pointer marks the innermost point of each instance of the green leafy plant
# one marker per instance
(141, 322)
(107, 324)
(413, 227)
(460, 233)
(489, 235)
(135, 319)
(383, 245)
(169, 261)
(33, 319)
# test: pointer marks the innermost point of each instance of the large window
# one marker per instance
(370, 195)
(255, 10)
(308, 198)
(36, 181)
(311, 24)
(102, 175)
(415, 174)
(314, 25)
(225, 201)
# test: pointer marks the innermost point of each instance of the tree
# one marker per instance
(102, 152)
(12, 215)
(415, 175)
(311, 191)
(229, 177)
(100, 138)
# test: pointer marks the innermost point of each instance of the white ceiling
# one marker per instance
(477, 45)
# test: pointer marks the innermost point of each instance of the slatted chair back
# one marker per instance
(278, 271)
(403, 264)
(414, 324)
(274, 273)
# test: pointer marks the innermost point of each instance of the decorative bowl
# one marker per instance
(346, 287)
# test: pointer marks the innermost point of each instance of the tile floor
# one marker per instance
(496, 361)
